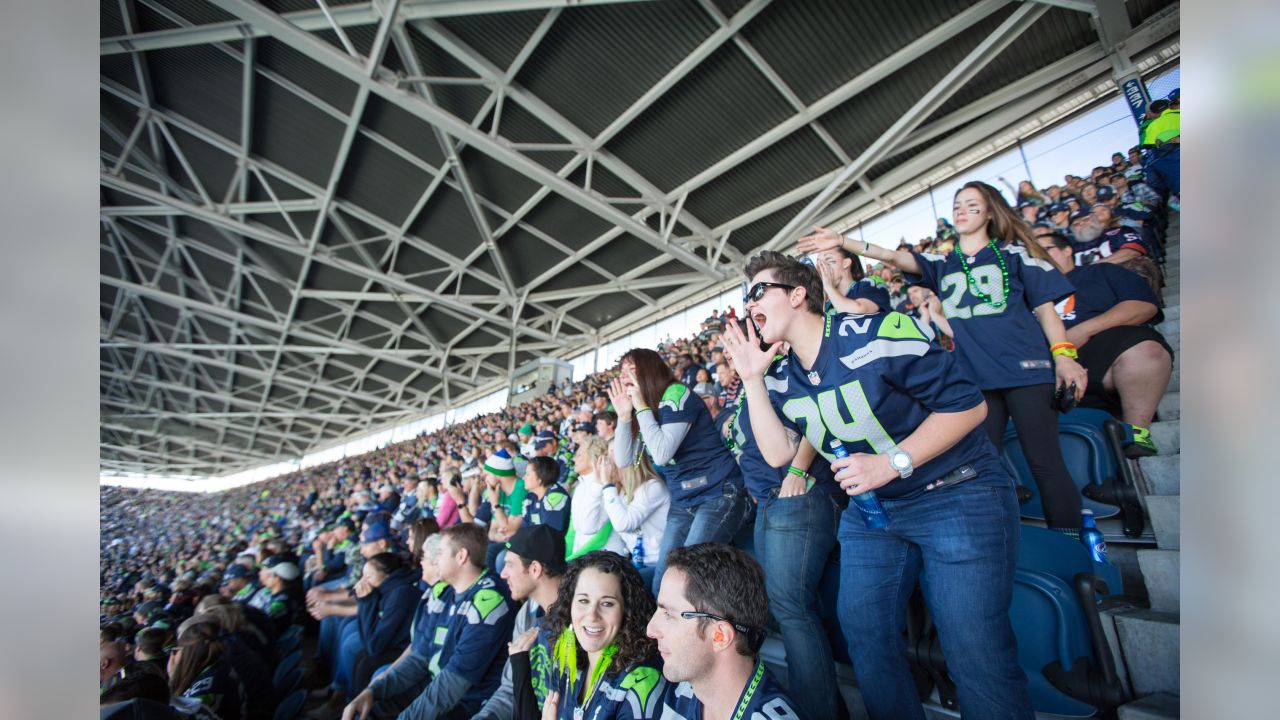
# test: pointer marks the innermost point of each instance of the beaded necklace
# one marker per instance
(973, 285)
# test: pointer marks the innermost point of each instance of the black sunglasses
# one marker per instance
(757, 291)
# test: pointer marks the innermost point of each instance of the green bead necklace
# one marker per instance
(973, 285)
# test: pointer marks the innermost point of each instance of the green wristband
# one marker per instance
(793, 470)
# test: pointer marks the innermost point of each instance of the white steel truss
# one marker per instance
(211, 372)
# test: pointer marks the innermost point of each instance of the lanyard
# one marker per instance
(751, 691)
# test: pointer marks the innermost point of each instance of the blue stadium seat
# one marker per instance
(1096, 462)
(291, 706)
(287, 644)
(287, 665)
(1061, 645)
(287, 683)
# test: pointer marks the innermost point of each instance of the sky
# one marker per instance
(1074, 147)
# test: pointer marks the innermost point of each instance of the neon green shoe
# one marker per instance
(1138, 443)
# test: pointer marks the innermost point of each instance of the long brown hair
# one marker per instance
(198, 648)
(653, 376)
(634, 644)
(1003, 224)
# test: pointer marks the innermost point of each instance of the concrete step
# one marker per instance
(1167, 436)
(1170, 406)
(1171, 297)
(1160, 575)
(1162, 473)
(1169, 327)
(1175, 384)
(1161, 706)
(1166, 523)
(1175, 342)
(1149, 642)
(1125, 558)
(1172, 312)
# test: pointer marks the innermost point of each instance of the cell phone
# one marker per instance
(1064, 399)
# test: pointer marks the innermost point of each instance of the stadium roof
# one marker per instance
(320, 218)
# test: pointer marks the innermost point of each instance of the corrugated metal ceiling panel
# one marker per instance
(597, 61)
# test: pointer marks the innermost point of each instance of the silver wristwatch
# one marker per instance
(900, 461)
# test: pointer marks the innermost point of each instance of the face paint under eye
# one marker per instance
(974, 210)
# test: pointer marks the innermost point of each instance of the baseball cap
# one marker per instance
(1106, 192)
(236, 571)
(526, 429)
(1058, 207)
(542, 543)
(280, 566)
(376, 532)
(584, 427)
(704, 390)
(1080, 215)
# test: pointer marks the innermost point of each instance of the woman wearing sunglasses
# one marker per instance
(998, 289)
(602, 663)
(664, 418)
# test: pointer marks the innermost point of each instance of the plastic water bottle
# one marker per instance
(1092, 537)
(867, 502)
(637, 552)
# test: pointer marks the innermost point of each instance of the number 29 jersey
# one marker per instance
(876, 379)
(1001, 347)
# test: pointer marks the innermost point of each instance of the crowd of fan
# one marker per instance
(472, 571)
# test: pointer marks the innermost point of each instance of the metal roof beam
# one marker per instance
(904, 56)
(276, 239)
(617, 286)
(324, 53)
(216, 311)
(1013, 26)
(314, 20)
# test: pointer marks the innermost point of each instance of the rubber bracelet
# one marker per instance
(1068, 352)
(1063, 345)
(642, 409)
(793, 470)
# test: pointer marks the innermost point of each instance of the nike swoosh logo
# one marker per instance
(897, 324)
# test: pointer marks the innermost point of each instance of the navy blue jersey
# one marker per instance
(552, 509)
(422, 631)
(760, 477)
(471, 636)
(702, 462)
(1000, 347)
(1100, 287)
(762, 699)
(876, 379)
(1109, 242)
(865, 289)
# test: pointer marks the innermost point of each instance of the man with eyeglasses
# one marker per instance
(709, 626)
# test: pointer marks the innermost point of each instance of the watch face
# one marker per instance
(899, 461)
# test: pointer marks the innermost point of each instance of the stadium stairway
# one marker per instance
(1146, 635)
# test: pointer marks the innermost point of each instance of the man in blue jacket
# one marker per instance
(467, 650)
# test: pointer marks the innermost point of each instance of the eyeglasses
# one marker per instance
(757, 291)
(755, 636)
(695, 614)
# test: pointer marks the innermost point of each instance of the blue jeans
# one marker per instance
(961, 543)
(716, 519)
(794, 538)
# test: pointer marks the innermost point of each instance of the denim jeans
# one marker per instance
(717, 519)
(794, 537)
(961, 543)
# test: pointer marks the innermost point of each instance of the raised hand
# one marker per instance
(821, 240)
(621, 398)
(744, 353)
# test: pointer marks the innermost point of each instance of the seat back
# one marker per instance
(1088, 457)
(291, 706)
(1051, 621)
(286, 666)
(287, 683)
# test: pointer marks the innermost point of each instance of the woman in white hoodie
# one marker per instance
(636, 500)
(589, 525)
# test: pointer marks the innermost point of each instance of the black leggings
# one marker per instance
(1037, 424)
